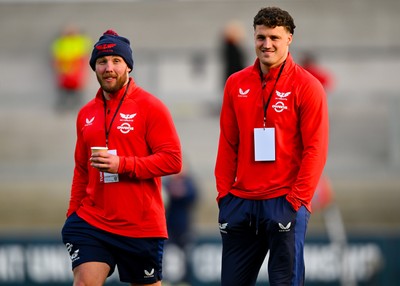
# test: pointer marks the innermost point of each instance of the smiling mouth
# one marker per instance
(267, 51)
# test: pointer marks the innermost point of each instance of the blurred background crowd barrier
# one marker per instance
(177, 53)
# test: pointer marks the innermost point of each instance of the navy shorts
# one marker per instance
(252, 228)
(139, 260)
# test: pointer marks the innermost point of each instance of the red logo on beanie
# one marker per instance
(105, 47)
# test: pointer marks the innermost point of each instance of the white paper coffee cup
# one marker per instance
(97, 149)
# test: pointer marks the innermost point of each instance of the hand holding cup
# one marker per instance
(104, 161)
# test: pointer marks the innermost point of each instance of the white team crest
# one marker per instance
(127, 116)
(126, 127)
(282, 94)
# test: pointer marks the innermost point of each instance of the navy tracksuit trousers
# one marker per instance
(251, 228)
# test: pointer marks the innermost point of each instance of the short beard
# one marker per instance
(121, 81)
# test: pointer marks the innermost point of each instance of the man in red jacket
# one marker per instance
(272, 149)
(116, 215)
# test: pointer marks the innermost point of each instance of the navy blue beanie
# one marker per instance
(110, 43)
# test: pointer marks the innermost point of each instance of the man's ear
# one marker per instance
(290, 39)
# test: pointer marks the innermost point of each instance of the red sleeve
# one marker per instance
(163, 141)
(314, 127)
(226, 163)
(80, 177)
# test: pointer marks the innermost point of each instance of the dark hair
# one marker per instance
(274, 17)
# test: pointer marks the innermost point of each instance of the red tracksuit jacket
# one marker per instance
(144, 137)
(298, 112)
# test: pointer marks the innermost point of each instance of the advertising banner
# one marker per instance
(366, 261)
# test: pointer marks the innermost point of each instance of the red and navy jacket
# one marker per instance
(298, 112)
(145, 139)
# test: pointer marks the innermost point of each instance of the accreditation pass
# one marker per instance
(264, 144)
(108, 177)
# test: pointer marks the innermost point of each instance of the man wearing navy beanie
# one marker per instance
(110, 43)
(116, 214)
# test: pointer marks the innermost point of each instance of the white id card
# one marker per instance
(108, 177)
(264, 144)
